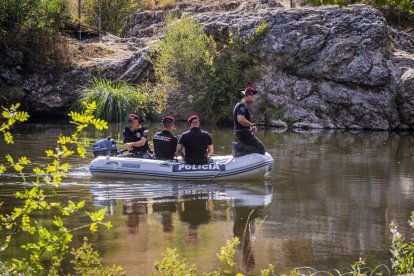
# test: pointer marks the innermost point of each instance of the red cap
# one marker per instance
(133, 116)
(192, 118)
(249, 91)
(168, 118)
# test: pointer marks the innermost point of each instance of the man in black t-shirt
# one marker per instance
(165, 144)
(135, 138)
(244, 128)
(196, 142)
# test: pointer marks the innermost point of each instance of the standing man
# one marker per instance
(196, 142)
(135, 138)
(244, 128)
(165, 143)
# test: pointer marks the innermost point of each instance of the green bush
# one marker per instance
(208, 74)
(402, 251)
(43, 14)
(116, 100)
(403, 5)
(114, 13)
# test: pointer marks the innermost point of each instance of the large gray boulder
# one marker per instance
(331, 67)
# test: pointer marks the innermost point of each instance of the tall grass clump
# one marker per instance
(201, 74)
(116, 100)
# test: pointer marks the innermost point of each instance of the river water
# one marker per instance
(328, 201)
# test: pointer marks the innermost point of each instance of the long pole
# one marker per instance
(79, 18)
(100, 19)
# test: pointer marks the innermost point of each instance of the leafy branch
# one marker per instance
(53, 243)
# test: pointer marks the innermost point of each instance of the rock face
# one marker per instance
(325, 68)
(331, 68)
(51, 91)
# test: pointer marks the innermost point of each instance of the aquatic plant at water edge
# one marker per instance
(402, 251)
(48, 246)
(402, 261)
(114, 101)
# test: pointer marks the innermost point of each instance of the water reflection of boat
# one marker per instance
(250, 166)
(193, 205)
(241, 194)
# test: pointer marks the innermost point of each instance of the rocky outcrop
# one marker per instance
(331, 68)
(50, 91)
(324, 67)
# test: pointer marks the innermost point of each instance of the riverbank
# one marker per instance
(321, 67)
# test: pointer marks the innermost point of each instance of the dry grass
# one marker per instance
(160, 4)
(88, 51)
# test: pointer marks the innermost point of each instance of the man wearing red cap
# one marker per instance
(244, 128)
(165, 143)
(197, 143)
(135, 138)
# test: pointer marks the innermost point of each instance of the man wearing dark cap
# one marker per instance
(136, 138)
(244, 128)
(165, 143)
(197, 143)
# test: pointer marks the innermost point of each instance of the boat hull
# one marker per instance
(251, 166)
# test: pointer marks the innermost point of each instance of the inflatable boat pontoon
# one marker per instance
(251, 166)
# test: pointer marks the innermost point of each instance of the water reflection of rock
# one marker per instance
(194, 205)
(337, 192)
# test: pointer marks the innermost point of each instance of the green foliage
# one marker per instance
(172, 265)
(182, 54)
(11, 116)
(269, 112)
(209, 74)
(86, 261)
(403, 5)
(402, 251)
(48, 247)
(226, 255)
(116, 100)
(114, 13)
(43, 14)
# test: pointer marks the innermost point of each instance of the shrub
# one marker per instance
(209, 74)
(403, 5)
(402, 251)
(116, 100)
(114, 13)
(42, 14)
(47, 245)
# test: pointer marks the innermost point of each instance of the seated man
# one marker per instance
(165, 144)
(244, 128)
(196, 142)
(135, 138)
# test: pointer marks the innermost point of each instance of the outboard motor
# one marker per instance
(105, 147)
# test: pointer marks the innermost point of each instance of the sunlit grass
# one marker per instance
(116, 100)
